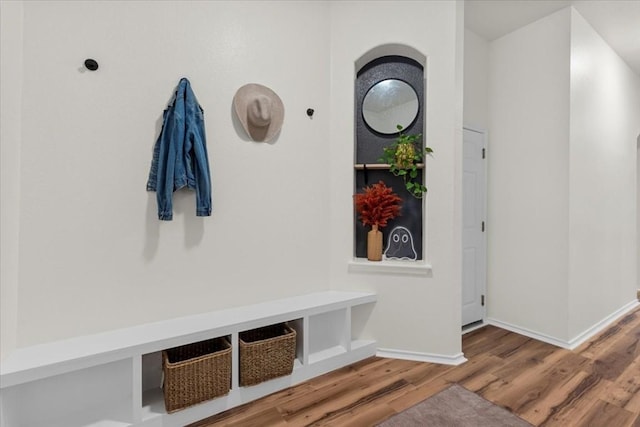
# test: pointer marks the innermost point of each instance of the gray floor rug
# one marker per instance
(455, 407)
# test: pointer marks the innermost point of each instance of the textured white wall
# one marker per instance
(420, 314)
(10, 129)
(564, 121)
(476, 81)
(605, 124)
(93, 255)
(528, 177)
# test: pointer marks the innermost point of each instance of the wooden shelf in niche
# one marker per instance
(379, 166)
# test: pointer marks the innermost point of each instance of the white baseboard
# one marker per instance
(442, 359)
(577, 340)
(527, 332)
(601, 325)
(481, 324)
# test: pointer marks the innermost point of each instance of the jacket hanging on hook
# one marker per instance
(180, 155)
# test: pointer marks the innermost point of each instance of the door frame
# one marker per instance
(638, 216)
(485, 142)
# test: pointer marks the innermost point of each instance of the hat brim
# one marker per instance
(247, 94)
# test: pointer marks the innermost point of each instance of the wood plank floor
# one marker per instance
(596, 385)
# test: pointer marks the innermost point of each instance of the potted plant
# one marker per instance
(403, 156)
(377, 204)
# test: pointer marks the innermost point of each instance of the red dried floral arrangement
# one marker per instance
(377, 205)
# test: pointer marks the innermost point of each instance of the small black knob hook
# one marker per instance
(310, 112)
(91, 64)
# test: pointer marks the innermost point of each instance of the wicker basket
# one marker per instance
(196, 372)
(266, 353)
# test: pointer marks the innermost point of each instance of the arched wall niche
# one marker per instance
(391, 49)
(395, 62)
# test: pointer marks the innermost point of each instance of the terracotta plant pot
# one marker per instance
(374, 244)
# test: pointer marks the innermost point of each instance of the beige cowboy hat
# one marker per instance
(260, 110)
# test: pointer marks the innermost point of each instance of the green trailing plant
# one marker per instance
(403, 156)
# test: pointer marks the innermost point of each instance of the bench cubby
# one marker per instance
(113, 379)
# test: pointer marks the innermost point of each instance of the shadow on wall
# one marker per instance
(183, 209)
(152, 228)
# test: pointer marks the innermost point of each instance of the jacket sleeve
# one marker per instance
(201, 166)
(166, 167)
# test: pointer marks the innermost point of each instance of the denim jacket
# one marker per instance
(180, 155)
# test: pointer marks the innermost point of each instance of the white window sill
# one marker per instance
(409, 268)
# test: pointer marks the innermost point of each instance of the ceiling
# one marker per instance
(617, 21)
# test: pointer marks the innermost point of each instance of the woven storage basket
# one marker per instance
(196, 372)
(266, 353)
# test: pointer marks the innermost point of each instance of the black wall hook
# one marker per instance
(91, 64)
(310, 112)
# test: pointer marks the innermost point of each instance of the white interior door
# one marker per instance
(474, 251)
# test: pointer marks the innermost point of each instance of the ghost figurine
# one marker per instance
(400, 245)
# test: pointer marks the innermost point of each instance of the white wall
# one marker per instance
(528, 177)
(413, 313)
(605, 124)
(564, 121)
(476, 81)
(93, 255)
(10, 129)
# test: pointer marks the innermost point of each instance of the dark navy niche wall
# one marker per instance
(370, 143)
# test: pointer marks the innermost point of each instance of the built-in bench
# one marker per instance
(113, 378)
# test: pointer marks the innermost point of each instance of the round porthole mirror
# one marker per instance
(390, 103)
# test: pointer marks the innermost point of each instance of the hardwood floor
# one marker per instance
(595, 385)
